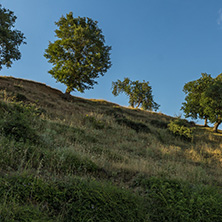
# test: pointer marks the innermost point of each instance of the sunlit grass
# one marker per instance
(100, 141)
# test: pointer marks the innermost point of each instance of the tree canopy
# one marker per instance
(79, 55)
(204, 99)
(139, 93)
(194, 89)
(10, 38)
(211, 100)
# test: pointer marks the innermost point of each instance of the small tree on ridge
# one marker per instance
(193, 90)
(140, 93)
(204, 99)
(211, 100)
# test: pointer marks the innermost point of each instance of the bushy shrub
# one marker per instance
(17, 122)
(181, 128)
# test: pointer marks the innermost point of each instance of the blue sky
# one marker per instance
(165, 42)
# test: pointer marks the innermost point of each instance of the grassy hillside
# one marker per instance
(65, 158)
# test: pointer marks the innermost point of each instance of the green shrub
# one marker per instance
(17, 122)
(176, 201)
(181, 128)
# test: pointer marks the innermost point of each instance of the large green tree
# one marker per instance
(139, 93)
(79, 55)
(194, 90)
(211, 100)
(10, 38)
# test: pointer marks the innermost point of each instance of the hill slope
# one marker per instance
(72, 159)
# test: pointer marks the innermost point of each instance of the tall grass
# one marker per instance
(81, 160)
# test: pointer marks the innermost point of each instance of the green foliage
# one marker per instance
(16, 122)
(211, 100)
(63, 176)
(79, 55)
(140, 93)
(204, 98)
(181, 128)
(194, 89)
(15, 212)
(64, 161)
(73, 200)
(10, 39)
(175, 201)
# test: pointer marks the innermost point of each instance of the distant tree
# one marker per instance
(211, 100)
(79, 55)
(194, 90)
(140, 93)
(10, 39)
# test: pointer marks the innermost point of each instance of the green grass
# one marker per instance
(70, 159)
(67, 200)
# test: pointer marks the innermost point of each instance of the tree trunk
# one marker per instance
(67, 91)
(139, 104)
(205, 122)
(216, 126)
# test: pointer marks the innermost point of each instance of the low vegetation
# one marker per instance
(71, 159)
(181, 128)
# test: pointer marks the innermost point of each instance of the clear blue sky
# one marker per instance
(165, 42)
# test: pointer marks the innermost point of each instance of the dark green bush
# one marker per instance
(17, 122)
(181, 128)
